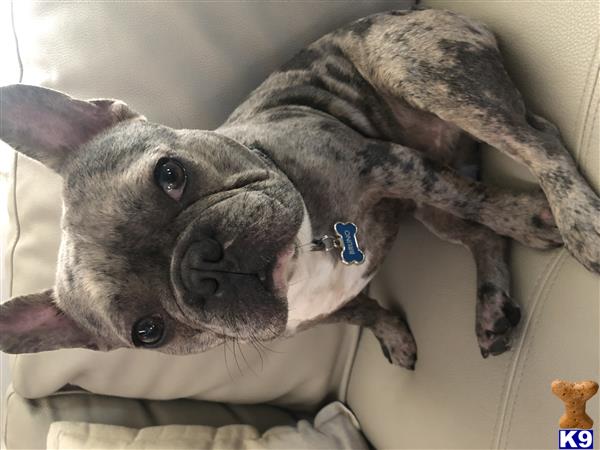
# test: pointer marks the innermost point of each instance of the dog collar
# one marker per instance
(344, 240)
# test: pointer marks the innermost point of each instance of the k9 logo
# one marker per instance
(575, 439)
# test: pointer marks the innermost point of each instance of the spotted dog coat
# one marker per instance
(379, 119)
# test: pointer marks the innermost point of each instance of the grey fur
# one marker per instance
(375, 120)
(496, 313)
(389, 327)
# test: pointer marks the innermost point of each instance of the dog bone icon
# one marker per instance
(574, 396)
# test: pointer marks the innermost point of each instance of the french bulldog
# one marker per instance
(179, 240)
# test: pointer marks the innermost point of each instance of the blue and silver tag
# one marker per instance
(345, 241)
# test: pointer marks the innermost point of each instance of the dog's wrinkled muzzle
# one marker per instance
(228, 267)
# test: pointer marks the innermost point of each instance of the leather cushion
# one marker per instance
(455, 399)
(184, 64)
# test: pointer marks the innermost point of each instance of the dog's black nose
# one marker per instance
(202, 252)
(202, 284)
(200, 270)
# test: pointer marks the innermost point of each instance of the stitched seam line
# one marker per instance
(510, 374)
(584, 109)
(546, 290)
(16, 223)
(539, 288)
(16, 39)
(6, 401)
(502, 400)
(540, 301)
(347, 375)
(13, 220)
(586, 149)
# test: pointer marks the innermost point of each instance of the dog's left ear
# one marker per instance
(49, 126)
(34, 323)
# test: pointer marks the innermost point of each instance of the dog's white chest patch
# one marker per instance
(319, 285)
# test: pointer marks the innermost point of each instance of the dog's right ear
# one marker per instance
(34, 323)
(49, 126)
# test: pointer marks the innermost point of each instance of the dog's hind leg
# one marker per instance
(496, 314)
(532, 141)
(449, 65)
(390, 328)
(396, 171)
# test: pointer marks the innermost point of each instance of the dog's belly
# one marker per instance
(438, 139)
(319, 285)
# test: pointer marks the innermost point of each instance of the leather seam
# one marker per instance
(586, 142)
(13, 220)
(510, 383)
(348, 369)
(16, 222)
(6, 401)
(11, 260)
(585, 107)
(16, 40)
(502, 402)
(540, 302)
(512, 367)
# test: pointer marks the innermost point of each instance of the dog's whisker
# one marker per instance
(225, 356)
(234, 342)
(245, 360)
(257, 349)
(264, 347)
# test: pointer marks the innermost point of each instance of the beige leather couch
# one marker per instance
(187, 65)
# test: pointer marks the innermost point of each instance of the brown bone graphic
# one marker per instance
(574, 395)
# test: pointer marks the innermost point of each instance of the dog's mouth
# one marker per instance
(230, 273)
(283, 270)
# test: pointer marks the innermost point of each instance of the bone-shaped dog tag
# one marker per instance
(350, 251)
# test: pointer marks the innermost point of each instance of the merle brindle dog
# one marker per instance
(180, 240)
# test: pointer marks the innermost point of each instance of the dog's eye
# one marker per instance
(148, 331)
(170, 176)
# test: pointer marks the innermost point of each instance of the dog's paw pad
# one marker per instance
(497, 316)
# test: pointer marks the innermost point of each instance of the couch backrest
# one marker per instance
(184, 64)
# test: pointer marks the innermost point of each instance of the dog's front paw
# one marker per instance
(397, 341)
(496, 317)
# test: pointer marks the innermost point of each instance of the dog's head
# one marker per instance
(171, 239)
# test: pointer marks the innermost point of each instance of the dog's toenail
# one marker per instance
(385, 350)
